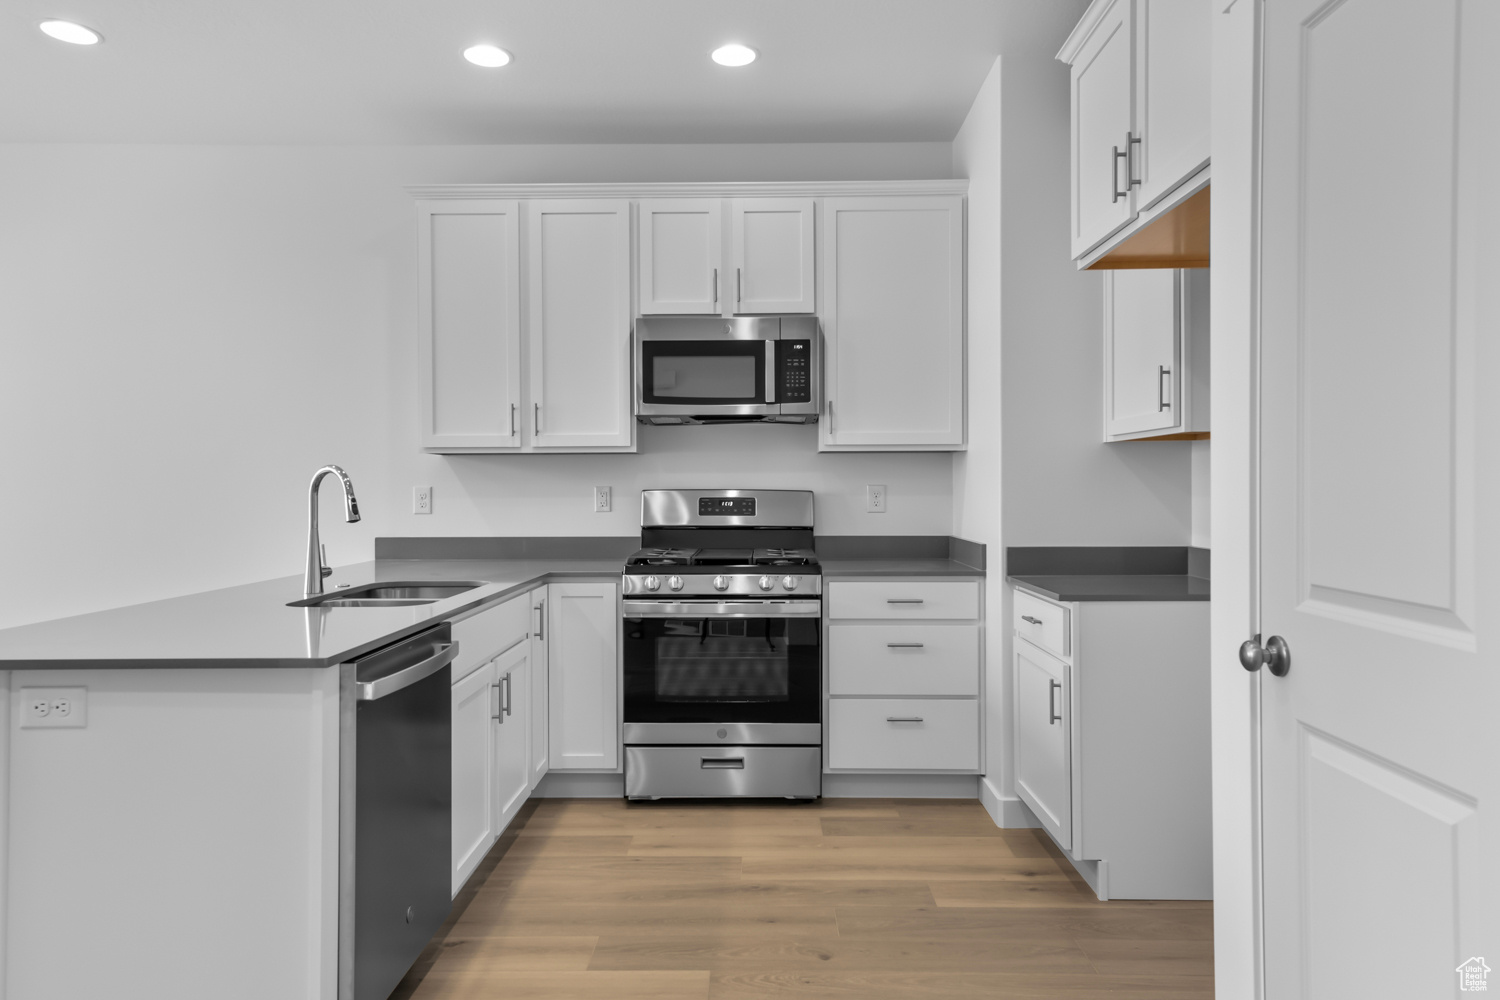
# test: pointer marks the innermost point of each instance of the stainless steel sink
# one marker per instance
(388, 595)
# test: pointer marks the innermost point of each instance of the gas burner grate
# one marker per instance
(785, 557)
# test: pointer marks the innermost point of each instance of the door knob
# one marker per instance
(1275, 655)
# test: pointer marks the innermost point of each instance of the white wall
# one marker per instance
(1202, 535)
(188, 332)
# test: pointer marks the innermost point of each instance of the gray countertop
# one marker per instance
(1116, 587)
(897, 566)
(251, 625)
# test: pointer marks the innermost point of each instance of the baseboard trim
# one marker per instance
(901, 786)
(1008, 812)
(565, 785)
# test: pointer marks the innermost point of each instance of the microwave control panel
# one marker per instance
(794, 380)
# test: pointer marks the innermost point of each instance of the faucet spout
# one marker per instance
(312, 583)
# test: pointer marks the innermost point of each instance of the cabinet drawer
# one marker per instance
(903, 660)
(489, 633)
(1043, 622)
(870, 733)
(917, 599)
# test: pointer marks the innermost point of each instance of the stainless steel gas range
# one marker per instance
(722, 639)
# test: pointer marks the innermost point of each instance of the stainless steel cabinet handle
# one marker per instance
(541, 620)
(1162, 374)
(536, 418)
(1131, 141)
(1052, 688)
(1115, 194)
(904, 645)
(1028, 618)
(391, 683)
(904, 600)
(512, 419)
(738, 291)
(499, 715)
(716, 288)
(903, 718)
(770, 371)
(507, 695)
(830, 418)
(722, 763)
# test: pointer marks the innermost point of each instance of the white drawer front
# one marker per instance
(903, 660)
(1043, 622)
(873, 733)
(916, 599)
(489, 633)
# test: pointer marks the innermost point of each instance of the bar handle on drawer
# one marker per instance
(904, 645)
(904, 600)
(722, 763)
(1028, 618)
(1052, 688)
(903, 718)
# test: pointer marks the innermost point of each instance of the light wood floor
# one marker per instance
(859, 899)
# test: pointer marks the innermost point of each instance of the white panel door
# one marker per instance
(1142, 352)
(1102, 120)
(578, 335)
(680, 256)
(583, 665)
(1380, 479)
(469, 325)
(773, 256)
(512, 742)
(1044, 739)
(893, 322)
(1173, 41)
(539, 671)
(473, 771)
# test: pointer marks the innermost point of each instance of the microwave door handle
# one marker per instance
(770, 371)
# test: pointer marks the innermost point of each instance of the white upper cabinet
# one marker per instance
(681, 256)
(578, 330)
(469, 324)
(893, 323)
(1155, 353)
(1172, 94)
(772, 247)
(1139, 113)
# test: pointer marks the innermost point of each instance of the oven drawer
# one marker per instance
(933, 599)
(903, 659)
(723, 771)
(907, 734)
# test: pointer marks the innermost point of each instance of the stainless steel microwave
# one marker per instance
(751, 369)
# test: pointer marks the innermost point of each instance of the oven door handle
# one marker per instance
(721, 609)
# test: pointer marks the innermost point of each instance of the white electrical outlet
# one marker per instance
(875, 499)
(601, 500)
(421, 499)
(54, 708)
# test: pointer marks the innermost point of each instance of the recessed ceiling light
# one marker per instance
(489, 56)
(67, 31)
(734, 54)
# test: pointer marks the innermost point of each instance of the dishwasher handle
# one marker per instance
(405, 678)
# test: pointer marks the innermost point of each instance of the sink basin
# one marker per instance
(388, 595)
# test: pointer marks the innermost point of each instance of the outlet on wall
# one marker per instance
(601, 500)
(875, 499)
(54, 708)
(421, 499)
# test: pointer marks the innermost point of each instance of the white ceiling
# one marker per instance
(390, 71)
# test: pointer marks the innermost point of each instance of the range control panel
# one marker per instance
(794, 381)
(726, 506)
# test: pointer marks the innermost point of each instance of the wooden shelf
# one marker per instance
(1185, 436)
(1179, 238)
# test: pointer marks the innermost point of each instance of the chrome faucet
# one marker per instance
(312, 584)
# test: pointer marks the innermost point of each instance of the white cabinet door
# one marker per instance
(1102, 122)
(1142, 352)
(893, 323)
(583, 654)
(469, 325)
(1173, 42)
(773, 256)
(512, 744)
(680, 256)
(473, 776)
(578, 332)
(537, 600)
(1044, 759)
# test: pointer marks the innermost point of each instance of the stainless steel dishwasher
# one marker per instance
(395, 800)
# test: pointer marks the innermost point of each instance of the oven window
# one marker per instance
(728, 659)
(704, 373)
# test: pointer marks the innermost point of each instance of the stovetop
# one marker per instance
(722, 558)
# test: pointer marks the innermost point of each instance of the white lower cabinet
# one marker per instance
(904, 675)
(538, 603)
(1044, 773)
(473, 772)
(512, 746)
(583, 620)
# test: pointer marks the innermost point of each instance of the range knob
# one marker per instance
(675, 583)
(790, 582)
(652, 583)
(766, 583)
(721, 583)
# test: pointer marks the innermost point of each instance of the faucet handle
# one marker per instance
(323, 566)
(327, 572)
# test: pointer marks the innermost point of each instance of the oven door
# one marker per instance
(685, 370)
(750, 669)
